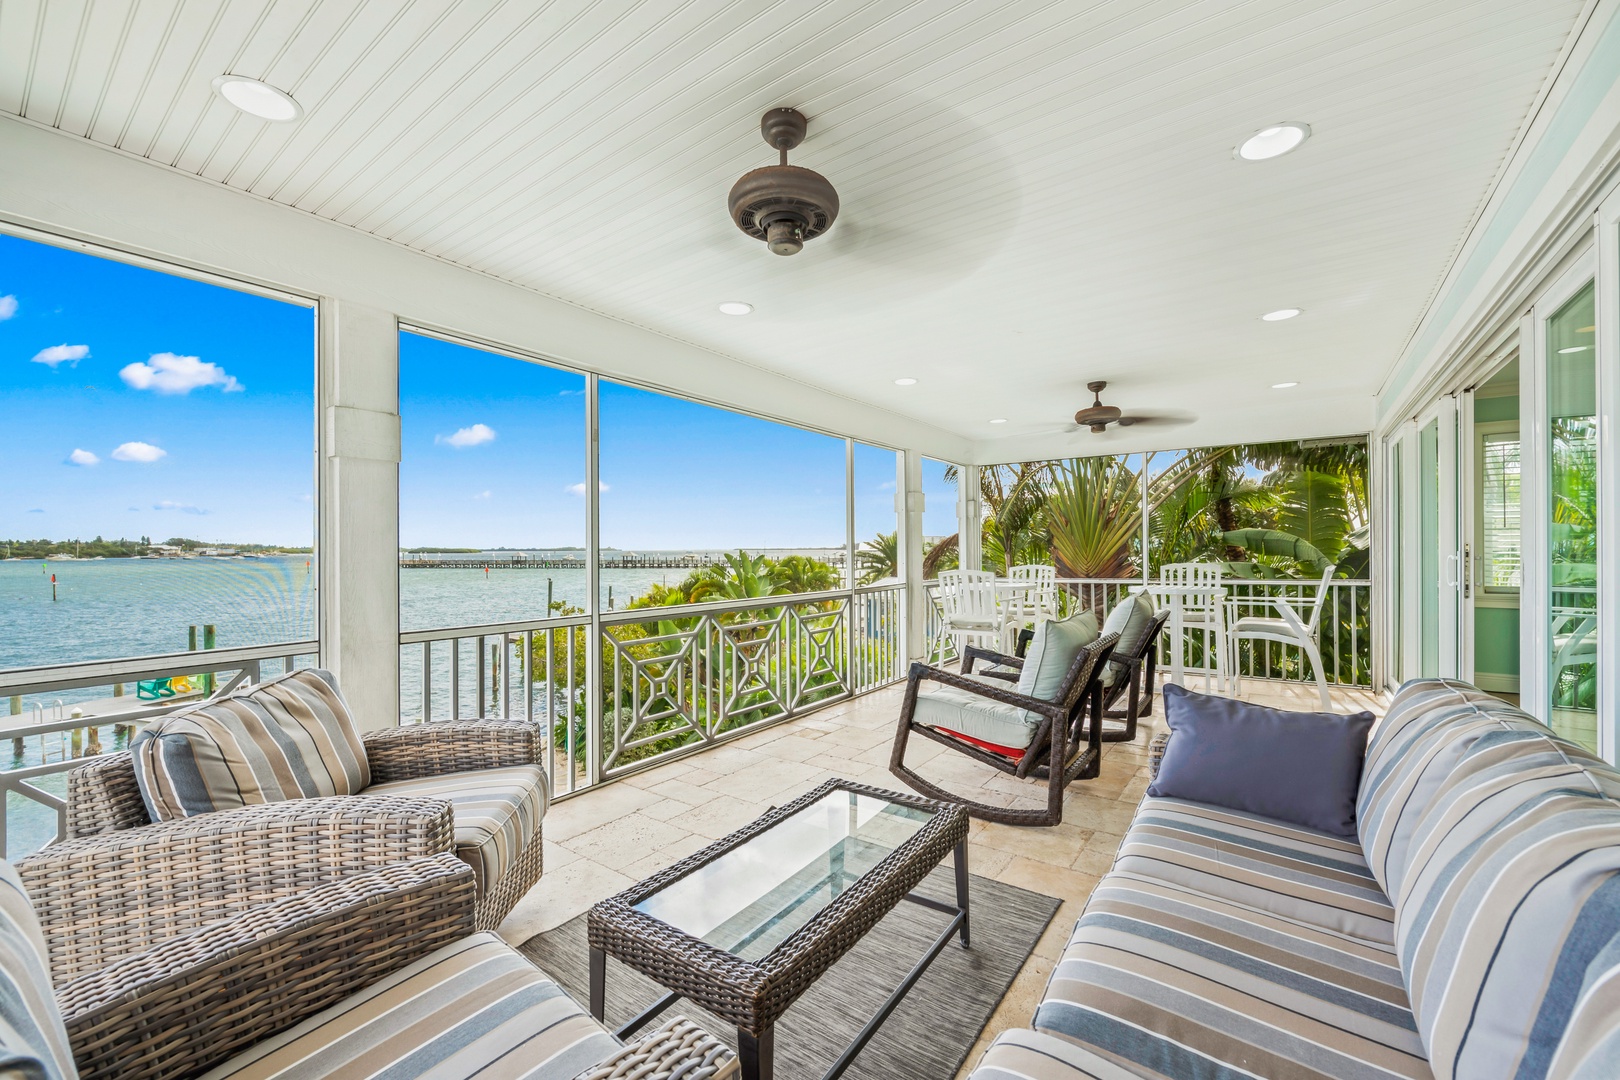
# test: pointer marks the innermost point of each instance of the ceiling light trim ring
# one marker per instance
(289, 110)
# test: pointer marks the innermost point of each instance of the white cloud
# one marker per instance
(83, 457)
(482, 495)
(58, 353)
(170, 374)
(579, 489)
(8, 307)
(467, 436)
(184, 508)
(145, 453)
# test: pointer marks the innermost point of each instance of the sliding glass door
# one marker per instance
(1571, 506)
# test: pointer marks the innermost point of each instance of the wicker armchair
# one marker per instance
(218, 994)
(1064, 748)
(411, 767)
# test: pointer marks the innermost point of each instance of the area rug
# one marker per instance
(927, 1037)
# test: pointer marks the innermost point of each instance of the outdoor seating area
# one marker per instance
(567, 542)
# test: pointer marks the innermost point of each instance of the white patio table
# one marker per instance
(1015, 600)
(1176, 597)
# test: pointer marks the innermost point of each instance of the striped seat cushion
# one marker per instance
(286, 738)
(1287, 870)
(1173, 983)
(1033, 1055)
(1509, 919)
(33, 1039)
(475, 1010)
(1430, 724)
(497, 813)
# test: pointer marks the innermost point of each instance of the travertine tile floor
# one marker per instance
(602, 841)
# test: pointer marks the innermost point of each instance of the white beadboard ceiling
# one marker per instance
(1035, 192)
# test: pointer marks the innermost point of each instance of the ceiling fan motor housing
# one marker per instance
(783, 205)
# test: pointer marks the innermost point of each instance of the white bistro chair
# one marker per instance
(1205, 614)
(1293, 628)
(1028, 597)
(968, 616)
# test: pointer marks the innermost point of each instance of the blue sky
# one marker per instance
(494, 456)
(140, 403)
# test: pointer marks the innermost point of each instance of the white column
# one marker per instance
(969, 518)
(909, 503)
(358, 538)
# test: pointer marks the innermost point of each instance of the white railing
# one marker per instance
(667, 680)
(47, 741)
(1344, 634)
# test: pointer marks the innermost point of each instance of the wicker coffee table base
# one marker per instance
(756, 1051)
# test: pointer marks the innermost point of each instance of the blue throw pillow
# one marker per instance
(1299, 767)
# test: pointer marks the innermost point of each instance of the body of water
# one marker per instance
(111, 608)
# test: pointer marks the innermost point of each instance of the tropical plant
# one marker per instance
(878, 558)
(1094, 512)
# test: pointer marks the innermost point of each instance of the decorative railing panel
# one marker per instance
(665, 679)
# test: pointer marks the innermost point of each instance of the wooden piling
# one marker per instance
(209, 638)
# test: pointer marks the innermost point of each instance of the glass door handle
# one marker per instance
(1453, 563)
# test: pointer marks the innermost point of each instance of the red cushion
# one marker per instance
(1005, 751)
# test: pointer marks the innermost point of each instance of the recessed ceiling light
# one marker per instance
(1573, 348)
(1284, 385)
(905, 382)
(1280, 314)
(257, 98)
(735, 307)
(1274, 141)
(999, 420)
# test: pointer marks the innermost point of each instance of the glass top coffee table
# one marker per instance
(746, 925)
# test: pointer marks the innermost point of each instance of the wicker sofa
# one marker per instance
(378, 974)
(486, 772)
(1473, 932)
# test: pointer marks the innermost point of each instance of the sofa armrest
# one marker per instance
(679, 1048)
(449, 746)
(101, 897)
(1156, 750)
(102, 796)
(178, 1008)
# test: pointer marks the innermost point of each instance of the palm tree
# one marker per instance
(802, 574)
(879, 558)
(1094, 511)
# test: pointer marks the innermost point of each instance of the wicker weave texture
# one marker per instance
(110, 895)
(753, 994)
(680, 1050)
(1156, 750)
(102, 797)
(196, 1000)
(503, 896)
(449, 746)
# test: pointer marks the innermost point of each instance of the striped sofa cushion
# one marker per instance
(475, 1010)
(1034, 1055)
(286, 738)
(1174, 983)
(497, 812)
(1286, 870)
(1430, 724)
(33, 1039)
(1508, 926)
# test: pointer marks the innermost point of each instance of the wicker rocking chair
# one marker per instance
(1064, 748)
(1132, 680)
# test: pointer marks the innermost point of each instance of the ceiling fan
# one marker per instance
(1098, 416)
